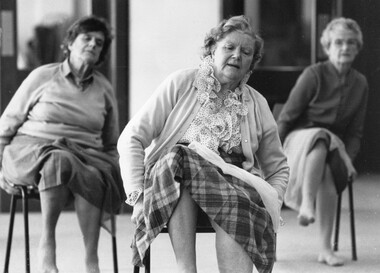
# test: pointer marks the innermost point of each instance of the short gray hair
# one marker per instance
(346, 23)
(235, 23)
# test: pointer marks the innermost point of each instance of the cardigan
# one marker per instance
(321, 99)
(168, 113)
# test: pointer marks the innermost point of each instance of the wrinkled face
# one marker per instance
(343, 47)
(87, 47)
(233, 56)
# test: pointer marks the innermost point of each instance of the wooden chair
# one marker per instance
(276, 112)
(203, 226)
(30, 192)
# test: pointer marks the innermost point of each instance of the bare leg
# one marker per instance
(314, 169)
(52, 203)
(89, 222)
(230, 255)
(181, 226)
(326, 207)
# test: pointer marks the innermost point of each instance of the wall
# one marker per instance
(366, 13)
(31, 13)
(165, 35)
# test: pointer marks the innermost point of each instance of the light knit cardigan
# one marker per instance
(165, 117)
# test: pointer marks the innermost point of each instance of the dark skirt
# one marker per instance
(45, 163)
(234, 205)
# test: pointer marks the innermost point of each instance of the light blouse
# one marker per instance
(217, 123)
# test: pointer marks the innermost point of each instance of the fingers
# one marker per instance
(9, 188)
(136, 214)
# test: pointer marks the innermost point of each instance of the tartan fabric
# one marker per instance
(234, 205)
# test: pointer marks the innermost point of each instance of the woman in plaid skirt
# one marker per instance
(205, 140)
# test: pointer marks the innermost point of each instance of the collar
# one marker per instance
(331, 68)
(67, 72)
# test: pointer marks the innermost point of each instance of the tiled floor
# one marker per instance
(297, 246)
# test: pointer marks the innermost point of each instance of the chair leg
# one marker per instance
(147, 260)
(24, 192)
(337, 222)
(136, 269)
(114, 251)
(352, 220)
(10, 232)
(114, 245)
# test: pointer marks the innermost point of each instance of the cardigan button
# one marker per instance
(245, 140)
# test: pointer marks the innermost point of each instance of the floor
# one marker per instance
(297, 246)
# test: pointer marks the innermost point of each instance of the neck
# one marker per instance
(342, 68)
(228, 86)
(81, 70)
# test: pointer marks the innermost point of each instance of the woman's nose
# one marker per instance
(237, 53)
(92, 42)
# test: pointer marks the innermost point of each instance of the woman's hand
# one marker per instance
(8, 187)
(352, 174)
(137, 210)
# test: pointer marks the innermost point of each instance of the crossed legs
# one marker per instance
(319, 194)
(52, 203)
(314, 170)
(230, 255)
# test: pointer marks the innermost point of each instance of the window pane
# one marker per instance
(285, 27)
(41, 26)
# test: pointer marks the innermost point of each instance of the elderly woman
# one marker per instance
(200, 143)
(321, 125)
(59, 133)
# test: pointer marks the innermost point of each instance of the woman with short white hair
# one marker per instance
(321, 125)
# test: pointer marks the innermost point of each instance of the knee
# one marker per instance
(319, 149)
(321, 145)
(59, 159)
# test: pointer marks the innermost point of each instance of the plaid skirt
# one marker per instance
(231, 203)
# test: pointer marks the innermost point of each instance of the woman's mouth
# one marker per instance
(234, 66)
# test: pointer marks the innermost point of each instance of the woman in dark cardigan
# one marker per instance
(321, 124)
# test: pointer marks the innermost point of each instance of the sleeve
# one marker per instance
(270, 154)
(19, 106)
(140, 131)
(298, 100)
(355, 129)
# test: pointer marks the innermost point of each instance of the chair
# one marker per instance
(276, 111)
(203, 226)
(30, 192)
(352, 221)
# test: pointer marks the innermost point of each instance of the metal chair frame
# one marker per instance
(352, 221)
(28, 192)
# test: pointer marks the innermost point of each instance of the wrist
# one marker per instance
(134, 196)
